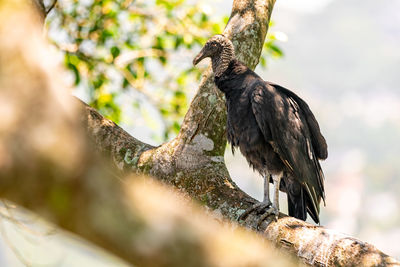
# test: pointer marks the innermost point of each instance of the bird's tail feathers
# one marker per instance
(312, 201)
(297, 206)
(302, 200)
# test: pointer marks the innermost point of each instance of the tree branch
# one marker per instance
(50, 156)
(116, 144)
(318, 246)
(193, 162)
(51, 7)
(314, 245)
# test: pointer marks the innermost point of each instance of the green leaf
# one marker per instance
(115, 51)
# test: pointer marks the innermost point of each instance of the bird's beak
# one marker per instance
(199, 57)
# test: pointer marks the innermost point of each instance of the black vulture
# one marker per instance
(274, 129)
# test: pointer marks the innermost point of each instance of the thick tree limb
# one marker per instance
(318, 246)
(192, 162)
(118, 145)
(314, 245)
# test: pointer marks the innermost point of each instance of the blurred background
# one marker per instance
(132, 61)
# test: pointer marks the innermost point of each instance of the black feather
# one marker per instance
(276, 131)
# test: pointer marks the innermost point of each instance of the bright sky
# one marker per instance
(305, 6)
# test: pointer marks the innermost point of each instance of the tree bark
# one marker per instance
(314, 245)
(52, 157)
(193, 161)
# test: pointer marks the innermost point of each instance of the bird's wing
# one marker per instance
(284, 125)
(318, 140)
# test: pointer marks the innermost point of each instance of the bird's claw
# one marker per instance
(266, 208)
(272, 211)
(258, 207)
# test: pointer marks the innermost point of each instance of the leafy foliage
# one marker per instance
(112, 46)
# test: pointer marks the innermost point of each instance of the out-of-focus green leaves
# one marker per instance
(116, 45)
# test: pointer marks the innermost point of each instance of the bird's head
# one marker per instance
(214, 47)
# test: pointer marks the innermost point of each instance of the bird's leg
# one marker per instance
(274, 209)
(260, 206)
(266, 189)
(277, 182)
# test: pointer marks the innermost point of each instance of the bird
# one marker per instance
(275, 131)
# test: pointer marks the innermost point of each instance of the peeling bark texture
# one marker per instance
(193, 161)
(318, 246)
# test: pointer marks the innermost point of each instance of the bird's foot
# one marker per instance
(266, 209)
(259, 208)
(271, 211)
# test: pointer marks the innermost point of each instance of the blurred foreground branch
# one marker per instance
(48, 165)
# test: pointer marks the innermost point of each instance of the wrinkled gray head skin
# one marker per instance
(220, 50)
